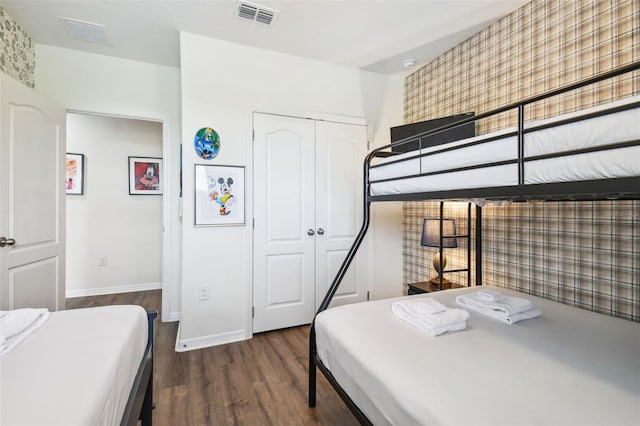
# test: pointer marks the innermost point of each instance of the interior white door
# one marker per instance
(284, 233)
(32, 199)
(340, 152)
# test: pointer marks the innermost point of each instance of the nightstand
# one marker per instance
(426, 287)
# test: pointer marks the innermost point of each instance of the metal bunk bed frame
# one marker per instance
(601, 189)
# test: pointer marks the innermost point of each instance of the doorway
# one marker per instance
(114, 238)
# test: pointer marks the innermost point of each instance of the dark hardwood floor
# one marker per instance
(260, 381)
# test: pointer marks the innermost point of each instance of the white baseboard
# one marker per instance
(173, 316)
(183, 345)
(112, 290)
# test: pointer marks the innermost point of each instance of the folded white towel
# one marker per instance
(490, 295)
(507, 306)
(453, 327)
(418, 306)
(416, 313)
(509, 309)
(531, 313)
(18, 324)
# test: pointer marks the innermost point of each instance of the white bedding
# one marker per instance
(616, 127)
(77, 369)
(567, 367)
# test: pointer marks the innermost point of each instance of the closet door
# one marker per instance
(340, 152)
(284, 233)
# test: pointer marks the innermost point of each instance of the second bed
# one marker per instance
(78, 368)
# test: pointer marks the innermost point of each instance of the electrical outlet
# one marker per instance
(102, 261)
(203, 293)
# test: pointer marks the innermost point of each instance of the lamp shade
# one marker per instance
(431, 233)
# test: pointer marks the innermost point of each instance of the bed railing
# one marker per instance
(618, 188)
(140, 403)
(624, 188)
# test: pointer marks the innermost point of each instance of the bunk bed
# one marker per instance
(81, 367)
(570, 366)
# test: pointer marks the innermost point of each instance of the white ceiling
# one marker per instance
(374, 35)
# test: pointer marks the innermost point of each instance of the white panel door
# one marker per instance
(284, 210)
(340, 151)
(32, 199)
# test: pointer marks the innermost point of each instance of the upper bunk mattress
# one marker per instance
(568, 367)
(78, 368)
(614, 127)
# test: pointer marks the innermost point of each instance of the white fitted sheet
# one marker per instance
(568, 367)
(597, 131)
(77, 369)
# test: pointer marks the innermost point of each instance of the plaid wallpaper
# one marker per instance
(585, 254)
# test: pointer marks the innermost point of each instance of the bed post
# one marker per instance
(146, 412)
(521, 144)
(366, 217)
(312, 366)
(140, 403)
(468, 244)
(478, 245)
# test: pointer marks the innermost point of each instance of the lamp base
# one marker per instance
(435, 282)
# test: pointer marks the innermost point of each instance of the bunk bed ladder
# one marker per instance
(366, 218)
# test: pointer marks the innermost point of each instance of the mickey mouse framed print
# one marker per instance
(219, 197)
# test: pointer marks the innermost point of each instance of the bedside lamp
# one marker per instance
(431, 238)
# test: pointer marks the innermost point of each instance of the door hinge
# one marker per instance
(253, 223)
(253, 135)
(367, 295)
(253, 312)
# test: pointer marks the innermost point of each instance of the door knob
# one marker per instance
(6, 241)
(310, 232)
(320, 231)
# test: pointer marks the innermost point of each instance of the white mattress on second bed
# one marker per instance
(621, 126)
(568, 367)
(76, 369)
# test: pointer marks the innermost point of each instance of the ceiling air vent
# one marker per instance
(86, 31)
(256, 13)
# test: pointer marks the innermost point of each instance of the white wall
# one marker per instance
(94, 83)
(222, 83)
(105, 221)
(384, 107)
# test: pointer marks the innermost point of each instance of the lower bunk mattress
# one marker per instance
(568, 367)
(78, 368)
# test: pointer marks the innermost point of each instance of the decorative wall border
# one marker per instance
(17, 52)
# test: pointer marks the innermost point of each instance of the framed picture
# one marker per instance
(219, 198)
(145, 176)
(75, 174)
